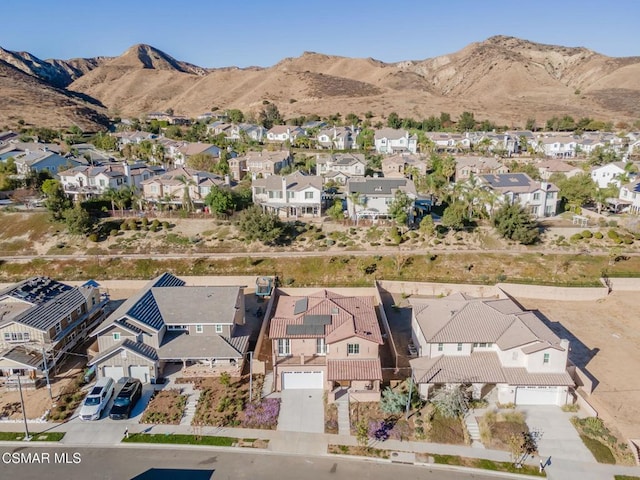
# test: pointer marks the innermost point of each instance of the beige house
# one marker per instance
(349, 165)
(491, 346)
(403, 164)
(554, 165)
(327, 341)
(293, 195)
(180, 186)
(200, 329)
(266, 162)
(43, 316)
(468, 166)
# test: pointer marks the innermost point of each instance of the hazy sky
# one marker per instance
(216, 33)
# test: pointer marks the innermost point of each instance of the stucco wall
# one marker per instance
(553, 293)
(438, 289)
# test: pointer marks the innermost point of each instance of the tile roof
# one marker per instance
(295, 181)
(350, 316)
(520, 376)
(360, 369)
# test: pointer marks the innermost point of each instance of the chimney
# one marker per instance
(544, 186)
(127, 171)
(196, 178)
(284, 189)
(227, 180)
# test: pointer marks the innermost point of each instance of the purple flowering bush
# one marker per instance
(263, 414)
(381, 431)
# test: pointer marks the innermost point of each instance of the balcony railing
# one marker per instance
(302, 360)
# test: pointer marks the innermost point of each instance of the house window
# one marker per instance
(308, 195)
(321, 346)
(218, 328)
(177, 327)
(459, 347)
(353, 348)
(16, 337)
(58, 327)
(536, 196)
(440, 347)
(545, 358)
(116, 336)
(199, 329)
(284, 347)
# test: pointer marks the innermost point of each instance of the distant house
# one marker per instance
(40, 161)
(42, 315)
(239, 131)
(337, 138)
(539, 198)
(266, 162)
(488, 345)
(237, 168)
(449, 142)
(284, 133)
(181, 185)
(188, 149)
(349, 165)
(403, 164)
(558, 146)
(608, 174)
(390, 140)
(136, 137)
(293, 195)
(327, 341)
(370, 197)
(468, 166)
(630, 196)
(168, 323)
(554, 165)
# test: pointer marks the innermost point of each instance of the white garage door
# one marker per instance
(140, 372)
(291, 380)
(537, 396)
(114, 372)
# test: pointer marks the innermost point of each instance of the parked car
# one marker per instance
(126, 399)
(97, 399)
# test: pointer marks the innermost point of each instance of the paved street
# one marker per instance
(176, 463)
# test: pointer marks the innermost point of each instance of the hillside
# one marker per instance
(504, 79)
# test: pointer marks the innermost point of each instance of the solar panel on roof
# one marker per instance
(305, 329)
(317, 320)
(300, 306)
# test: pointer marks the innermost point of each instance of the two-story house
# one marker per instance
(293, 195)
(327, 341)
(188, 149)
(449, 142)
(468, 166)
(45, 318)
(608, 174)
(488, 346)
(546, 168)
(404, 164)
(371, 197)
(540, 199)
(340, 167)
(266, 162)
(630, 196)
(196, 328)
(284, 133)
(337, 138)
(181, 186)
(391, 140)
(42, 160)
(558, 146)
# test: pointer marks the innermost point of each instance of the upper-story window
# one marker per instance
(308, 195)
(284, 347)
(116, 336)
(353, 348)
(199, 329)
(545, 358)
(440, 347)
(459, 347)
(321, 346)
(218, 328)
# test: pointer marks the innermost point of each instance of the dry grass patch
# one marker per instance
(221, 401)
(166, 407)
(358, 450)
(496, 428)
(330, 417)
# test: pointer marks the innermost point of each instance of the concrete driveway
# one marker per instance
(301, 411)
(559, 437)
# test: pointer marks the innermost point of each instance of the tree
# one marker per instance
(335, 211)
(466, 122)
(427, 226)
(78, 220)
(356, 200)
(448, 167)
(204, 162)
(455, 216)
(393, 402)
(258, 225)
(57, 201)
(270, 116)
(235, 115)
(514, 223)
(578, 189)
(394, 121)
(399, 207)
(521, 445)
(524, 167)
(451, 402)
(220, 201)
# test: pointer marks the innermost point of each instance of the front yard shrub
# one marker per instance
(263, 414)
(600, 451)
(587, 234)
(612, 234)
(598, 235)
(576, 237)
(166, 407)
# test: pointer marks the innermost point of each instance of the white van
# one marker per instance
(97, 399)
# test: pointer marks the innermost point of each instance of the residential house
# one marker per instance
(468, 166)
(188, 149)
(391, 140)
(370, 197)
(449, 142)
(337, 138)
(554, 165)
(218, 128)
(246, 131)
(487, 142)
(492, 347)
(40, 160)
(135, 137)
(6, 137)
(404, 164)
(539, 198)
(293, 195)
(181, 186)
(327, 341)
(267, 162)
(343, 165)
(284, 133)
(524, 138)
(45, 317)
(20, 361)
(196, 328)
(237, 168)
(608, 174)
(557, 146)
(630, 196)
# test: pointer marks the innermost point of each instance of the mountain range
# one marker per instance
(504, 79)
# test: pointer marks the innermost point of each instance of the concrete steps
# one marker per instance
(474, 431)
(190, 408)
(344, 423)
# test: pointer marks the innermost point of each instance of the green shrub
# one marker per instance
(612, 234)
(114, 232)
(587, 234)
(166, 225)
(598, 235)
(576, 237)
(93, 237)
(124, 226)
(628, 240)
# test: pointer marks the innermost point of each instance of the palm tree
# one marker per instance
(355, 199)
(187, 202)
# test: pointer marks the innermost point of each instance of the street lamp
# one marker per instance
(24, 413)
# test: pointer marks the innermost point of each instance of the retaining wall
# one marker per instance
(543, 292)
(439, 289)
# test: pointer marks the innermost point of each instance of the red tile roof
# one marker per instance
(369, 369)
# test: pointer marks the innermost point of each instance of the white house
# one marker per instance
(630, 195)
(558, 146)
(370, 197)
(337, 138)
(348, 164)
(391, 140)
(284, 133)
(608, 174)
(539, 198)
(492, 347)
(293, 195)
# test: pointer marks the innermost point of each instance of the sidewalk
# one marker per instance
(313, 444)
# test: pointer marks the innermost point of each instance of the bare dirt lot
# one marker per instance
(605, 341)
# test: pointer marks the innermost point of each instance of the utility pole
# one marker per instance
(406, 413)
(46, 372)
(250, 377)
(24, 413)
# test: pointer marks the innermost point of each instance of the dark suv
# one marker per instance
(126, 399)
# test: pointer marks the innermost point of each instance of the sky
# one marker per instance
(212, 33)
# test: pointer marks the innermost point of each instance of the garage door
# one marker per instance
(140, 372)
(114, 372)
(291, 380)
(537, 396)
